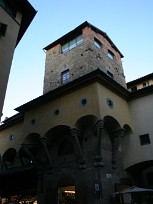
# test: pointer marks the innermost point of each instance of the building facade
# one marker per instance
(15, 17)
(87, 136)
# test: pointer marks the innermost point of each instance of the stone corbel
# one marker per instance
(75, 135)
(115, 137)
(98, 128)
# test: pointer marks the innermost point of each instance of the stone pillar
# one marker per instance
(40, 186)
(75, 135)
(98, 128)
(115, 137)
(44, 142)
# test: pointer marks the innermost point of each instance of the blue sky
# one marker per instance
(129, 23)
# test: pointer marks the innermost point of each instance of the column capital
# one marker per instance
(117, 133)
(98, 124)
(44, 140)
(75, 131)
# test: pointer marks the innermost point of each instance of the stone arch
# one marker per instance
(10, 155)
(126, 138)
(33, 138)
(86, 121)
(30, 149)
(87, 127)
(111, 124)
(66, 181)
(9, 158)
(126, 142)
(59, 143)
(127, 130)
(56, 132)
(85, 124)
(115, 133)
(58, 135)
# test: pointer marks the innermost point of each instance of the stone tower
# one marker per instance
(82, 50)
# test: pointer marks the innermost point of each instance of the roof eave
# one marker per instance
(28, 13)
(79, 29)
(95, 76)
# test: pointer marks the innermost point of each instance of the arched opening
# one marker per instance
(9, 158)
(10, 155)
(30, 148)
(86, 124)
(65, 148)
(114, 133)
(57, 132)
(66, 191)
(86, 121)
(60, 144)
(32, 139)
(111, 124)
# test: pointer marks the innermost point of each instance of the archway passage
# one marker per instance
(66, 195)
(19, 186)
(66, 190)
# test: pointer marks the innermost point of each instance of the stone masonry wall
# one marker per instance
(81, 60)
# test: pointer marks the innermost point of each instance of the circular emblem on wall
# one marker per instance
(56, 112)
(109, 103)
(84, 101)
(11, 137)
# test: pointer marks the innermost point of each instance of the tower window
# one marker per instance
(111, 54)
(71, 44)
(144, 139)
(97, 43)
(110, 74)
(65, 76)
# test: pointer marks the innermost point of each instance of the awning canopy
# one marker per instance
(134, 189)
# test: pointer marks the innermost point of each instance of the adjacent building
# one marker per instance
(15, 17)
(87, 136)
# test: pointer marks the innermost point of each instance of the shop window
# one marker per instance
(144, 139)
(97, 43)
(71, 44)
(65, 77)
(66, 195)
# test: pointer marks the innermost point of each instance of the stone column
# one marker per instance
(44, 142)
(75, 135)
(98, 128)
(115, 137)
(40, 185)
